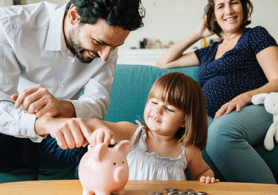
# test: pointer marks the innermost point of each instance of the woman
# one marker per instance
(243, 64)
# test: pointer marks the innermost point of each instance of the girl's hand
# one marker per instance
(208, 179)
(237, 103)
(102, 135)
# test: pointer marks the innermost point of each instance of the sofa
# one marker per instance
(128, 97)
(129, 94)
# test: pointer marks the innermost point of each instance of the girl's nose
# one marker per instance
(158, 110)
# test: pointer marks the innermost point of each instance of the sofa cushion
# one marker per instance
(128, 97)
(129, 94)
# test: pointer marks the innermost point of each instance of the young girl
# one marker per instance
(174, 133)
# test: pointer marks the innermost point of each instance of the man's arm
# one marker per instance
(15, 122)
(95, 101)
(39, 101)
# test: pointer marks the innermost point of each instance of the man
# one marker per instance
(48, 54)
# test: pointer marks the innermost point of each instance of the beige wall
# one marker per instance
(6, 3)
(171, 20)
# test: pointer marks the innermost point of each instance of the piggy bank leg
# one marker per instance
(120, 191)
(87, 192)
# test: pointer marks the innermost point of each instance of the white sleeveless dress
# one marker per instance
(150, 166)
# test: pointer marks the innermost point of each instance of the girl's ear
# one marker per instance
(183, 124)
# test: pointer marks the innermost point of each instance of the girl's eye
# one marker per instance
(153, 102)
(168, 109)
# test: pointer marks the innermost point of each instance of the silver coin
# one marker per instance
(202, 193)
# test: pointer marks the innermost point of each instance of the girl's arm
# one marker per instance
(108, 132)
(268, 60)
(197, 167)
(174, 57)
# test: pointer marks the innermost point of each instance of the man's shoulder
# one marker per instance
(31, 15)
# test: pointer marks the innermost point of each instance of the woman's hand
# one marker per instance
(102, 135)
(208, 179)
(237, 103)
(203, 31)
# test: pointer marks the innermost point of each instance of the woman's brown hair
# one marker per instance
(184, 93)
(213, 26)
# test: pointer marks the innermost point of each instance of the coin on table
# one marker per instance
(173, 189)
(202, 193)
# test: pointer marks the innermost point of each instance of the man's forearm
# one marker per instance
(68, 110)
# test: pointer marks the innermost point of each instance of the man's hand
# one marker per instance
(68, 132)
(39, 101)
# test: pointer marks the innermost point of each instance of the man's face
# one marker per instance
(94, 41)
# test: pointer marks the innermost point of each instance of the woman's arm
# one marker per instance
(108, 132)
(197, 167)
(268, 60)
(174, 57)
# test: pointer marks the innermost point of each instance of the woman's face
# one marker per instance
(229, 15)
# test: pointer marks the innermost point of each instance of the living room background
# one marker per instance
(171, 20)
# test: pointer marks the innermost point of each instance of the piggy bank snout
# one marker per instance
(121, 174)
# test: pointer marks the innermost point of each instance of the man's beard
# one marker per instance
(77, 47)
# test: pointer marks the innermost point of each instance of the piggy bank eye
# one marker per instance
(123, 162)
(114, 163)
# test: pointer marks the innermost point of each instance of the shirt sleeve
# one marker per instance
(95, 101)
(260, 39)
(200, 53)
(14, 122)
(206, 54)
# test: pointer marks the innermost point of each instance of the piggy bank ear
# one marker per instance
(259, 98)
(123, 146)
(99, 151)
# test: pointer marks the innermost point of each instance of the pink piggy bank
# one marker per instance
(104, 170)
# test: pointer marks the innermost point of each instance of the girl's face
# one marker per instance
(163, 118)
(229, 15)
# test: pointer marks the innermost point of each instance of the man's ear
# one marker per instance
(73, 15)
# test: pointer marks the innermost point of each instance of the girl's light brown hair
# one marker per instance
(186, 94)
(213, 26)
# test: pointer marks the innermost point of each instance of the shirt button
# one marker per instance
(61, 86)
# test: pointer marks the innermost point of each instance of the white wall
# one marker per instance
(171, 20)
(6, 3)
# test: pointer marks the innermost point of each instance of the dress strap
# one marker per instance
(136, 132)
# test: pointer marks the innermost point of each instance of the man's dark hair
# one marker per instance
(125, 13)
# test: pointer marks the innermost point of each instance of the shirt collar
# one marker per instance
(55, 32)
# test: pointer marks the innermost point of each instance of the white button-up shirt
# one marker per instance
(33, 51)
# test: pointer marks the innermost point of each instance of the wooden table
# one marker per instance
(73, 187)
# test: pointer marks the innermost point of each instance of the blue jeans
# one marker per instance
(17, 152)
(230, 141)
